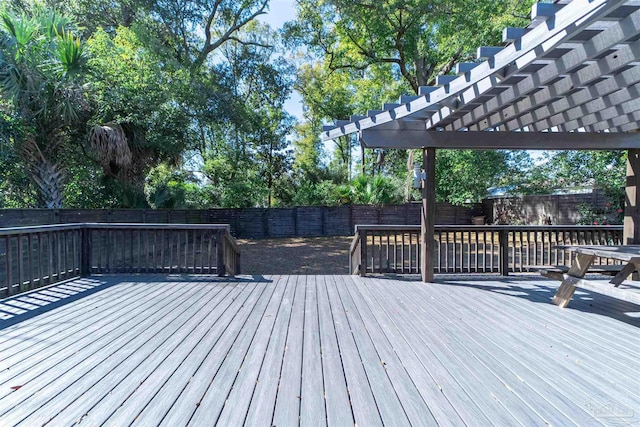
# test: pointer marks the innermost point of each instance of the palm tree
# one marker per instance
(41, 64)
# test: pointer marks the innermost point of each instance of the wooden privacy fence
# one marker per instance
(32, 257)
(472, 249)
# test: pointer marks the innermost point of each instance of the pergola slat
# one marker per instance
(626, 29)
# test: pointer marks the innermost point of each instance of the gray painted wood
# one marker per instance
(103, 380)
(89, 336)
(96, 362)
(470, 390)
(386, 395)
(70, 326)
(165, 394)
(438, 404)
(364, 406)
(337, 403)
(122, 387)
(238, 400)
(287, 404)
(514, 379)
(413, 406)
(312, 400)
(459, 352)
(263, 399)
(253, 335)
(191, 397)
(572, 368)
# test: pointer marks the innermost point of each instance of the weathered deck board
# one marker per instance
(123, 386)
(287, 404)
(337, 403)
(71, 376)
(312, 407)
(510, 374)
(318, 350)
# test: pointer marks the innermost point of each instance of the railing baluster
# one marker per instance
(8, 241)
(20, 264)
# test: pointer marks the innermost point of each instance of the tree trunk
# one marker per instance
(48, 176)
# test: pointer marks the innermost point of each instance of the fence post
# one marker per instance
(220, 268)
(503, 242)
(85, 251)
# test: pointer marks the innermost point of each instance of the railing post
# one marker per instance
(85, 251)
(363, 253)
(503, 242)
(220, 267)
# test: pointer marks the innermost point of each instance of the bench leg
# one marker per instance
(578, 269)
(622, 275)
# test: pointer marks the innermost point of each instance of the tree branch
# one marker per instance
(209, 45)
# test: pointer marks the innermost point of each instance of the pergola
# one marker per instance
(570, 80)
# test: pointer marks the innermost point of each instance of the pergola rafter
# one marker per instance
(569, 80)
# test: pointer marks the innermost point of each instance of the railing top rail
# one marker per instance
(39, 229)
(232, 242)
(385, 227)
(354, 242)
(12, 231)
(146, 226)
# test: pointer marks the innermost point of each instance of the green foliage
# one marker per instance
(323, 193)
(129, 87)
(413, 40)
(610, 214)
(463, 176)
(170, 188)
(41, 64)
(377, 190)
(578, 169)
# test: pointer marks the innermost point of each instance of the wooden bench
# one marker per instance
(557, 272)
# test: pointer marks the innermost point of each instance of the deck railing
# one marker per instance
(472, 249)
(32, 257)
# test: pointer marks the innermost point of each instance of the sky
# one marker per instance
(281, 11)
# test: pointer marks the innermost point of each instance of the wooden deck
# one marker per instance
(316, 350)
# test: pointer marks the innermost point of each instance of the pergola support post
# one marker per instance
(428, 214)
(631, 231)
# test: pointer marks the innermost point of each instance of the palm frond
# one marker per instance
(110, 143)
(22, 29)
(70, 52)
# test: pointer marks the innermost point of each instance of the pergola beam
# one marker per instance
(421, 138)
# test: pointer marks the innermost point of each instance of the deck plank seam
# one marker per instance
(224, 294)
(66, 373)
(594, 371)
(499, 362)
(405, 402)
(501, 325)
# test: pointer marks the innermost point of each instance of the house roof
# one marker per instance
(569, 80)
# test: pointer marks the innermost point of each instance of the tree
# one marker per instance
(566, 169)
(41, 67)
(419, 39)
(138, 118)
(252, 126)
(463, 176)
(368, 53)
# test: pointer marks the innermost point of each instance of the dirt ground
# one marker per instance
(315, 255)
